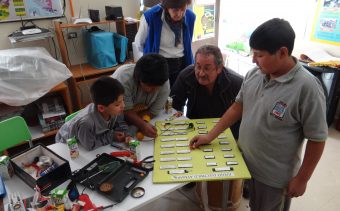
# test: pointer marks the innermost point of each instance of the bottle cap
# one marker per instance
(134, 143)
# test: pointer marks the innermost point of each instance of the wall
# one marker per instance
(130, 9)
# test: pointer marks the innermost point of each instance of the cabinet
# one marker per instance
(35, 128)
(85, 72)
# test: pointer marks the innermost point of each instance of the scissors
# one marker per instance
(146, 163)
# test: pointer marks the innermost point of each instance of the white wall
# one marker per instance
(130, 9)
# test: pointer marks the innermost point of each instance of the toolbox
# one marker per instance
(110, 176)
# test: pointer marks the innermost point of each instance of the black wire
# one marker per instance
(30, 21)
(82, 192)
(190, 128)
(68, 57)
(64, 7)
(55, 49)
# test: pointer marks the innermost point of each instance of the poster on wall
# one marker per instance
(326, 26)
(16, 10)
(205, 19)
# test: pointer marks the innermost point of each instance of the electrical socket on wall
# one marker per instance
(72, 35)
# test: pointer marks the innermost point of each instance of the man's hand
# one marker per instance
(296, 187)
(196, 141)
(120, 136)
(149, 130)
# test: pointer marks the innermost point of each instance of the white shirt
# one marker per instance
(167, 46)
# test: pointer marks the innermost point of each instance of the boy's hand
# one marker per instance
(128, 139)
(178, 114)
(196, 141)
(149, 130)
(296, 187)
(120, 136)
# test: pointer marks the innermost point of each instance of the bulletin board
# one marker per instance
(326, 25)
(16, 10)
(175, 162)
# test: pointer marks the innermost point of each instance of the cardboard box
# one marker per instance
(50, 180)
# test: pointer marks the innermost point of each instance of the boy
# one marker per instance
(102, 122)
(281, 104)
(147, 88)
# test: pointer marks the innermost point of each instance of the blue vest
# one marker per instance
(153, 17)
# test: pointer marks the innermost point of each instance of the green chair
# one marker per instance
(69, 117)
(14, 131)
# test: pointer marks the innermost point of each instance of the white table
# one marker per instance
(152, 191)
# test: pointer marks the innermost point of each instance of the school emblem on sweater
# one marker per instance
(279, 110)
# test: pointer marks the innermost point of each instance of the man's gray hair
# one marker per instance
(211, 50)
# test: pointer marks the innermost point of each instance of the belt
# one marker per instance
(175, 59)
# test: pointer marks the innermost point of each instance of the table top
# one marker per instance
(152, 191)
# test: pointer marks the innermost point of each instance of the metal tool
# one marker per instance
(109, 167)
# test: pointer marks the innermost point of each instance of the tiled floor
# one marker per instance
(322, 193)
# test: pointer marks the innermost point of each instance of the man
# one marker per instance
(147, 88)
(207, 87)
(280, 103)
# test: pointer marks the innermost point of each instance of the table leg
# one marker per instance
(225, 192)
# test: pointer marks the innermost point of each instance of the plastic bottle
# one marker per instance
(168, 106)
(73, 147)
(135, 147)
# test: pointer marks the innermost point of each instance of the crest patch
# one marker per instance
(279, 110)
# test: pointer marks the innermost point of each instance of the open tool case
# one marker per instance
(110, 176)
(48, 181)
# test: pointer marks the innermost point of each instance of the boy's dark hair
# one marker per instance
(151, 69)
(207, 50)
(175, 3)
(272, 35)
(105, 90)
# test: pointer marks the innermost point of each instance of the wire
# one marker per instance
(55, 49)
(190, 128)
(81, 68)
(82, 192)
(29, 21)
(64, 7)
(68, 58)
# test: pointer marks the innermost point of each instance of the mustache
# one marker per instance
(203, 78)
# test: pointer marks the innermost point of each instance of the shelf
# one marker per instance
(87, 71)
(36, 131)
(38, 134)
(59, 87)
(62, 89)
(79, 25)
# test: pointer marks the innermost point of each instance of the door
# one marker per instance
(206, 25)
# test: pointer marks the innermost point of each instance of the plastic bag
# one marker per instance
(27, 74)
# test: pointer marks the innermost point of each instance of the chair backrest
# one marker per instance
(14, 131)
(69, 117)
